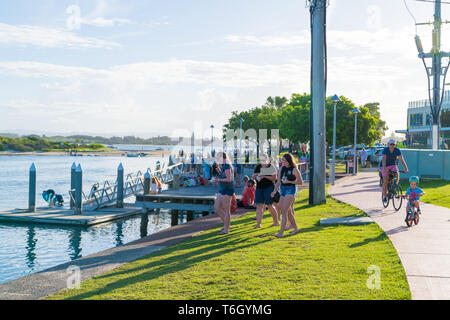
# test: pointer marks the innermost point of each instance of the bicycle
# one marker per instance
(413, 214)
(394, 192)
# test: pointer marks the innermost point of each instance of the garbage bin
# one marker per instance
(349, 167)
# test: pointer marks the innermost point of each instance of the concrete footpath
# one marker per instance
(42, 284)
(424, 250)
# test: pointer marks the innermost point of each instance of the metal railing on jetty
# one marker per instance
(106, 193)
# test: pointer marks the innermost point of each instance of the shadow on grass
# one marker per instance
(381, 237)
(171, 264)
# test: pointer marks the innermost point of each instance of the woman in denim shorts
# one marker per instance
(288, 178)
(265, 175)
(222, 205)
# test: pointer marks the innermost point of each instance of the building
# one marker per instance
(419, 121)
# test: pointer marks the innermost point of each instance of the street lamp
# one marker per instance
(334, 99)
(212, 139)
(355, 112)
(240, 138)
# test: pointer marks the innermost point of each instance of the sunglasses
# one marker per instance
(392, 144)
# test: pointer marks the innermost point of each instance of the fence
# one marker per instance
(427, 163)
(106, 193)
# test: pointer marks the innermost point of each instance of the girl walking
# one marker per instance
(288, 178)
(222, 205)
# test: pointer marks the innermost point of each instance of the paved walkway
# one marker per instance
(42, 284)
(424, 249)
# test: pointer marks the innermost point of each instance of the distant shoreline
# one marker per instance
(115, 153)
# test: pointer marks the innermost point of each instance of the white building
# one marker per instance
(419, 121)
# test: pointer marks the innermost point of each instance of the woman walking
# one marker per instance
(265, 175)
(288, 178)
(222, 205)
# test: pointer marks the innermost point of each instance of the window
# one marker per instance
(445, 118)
(416, 119)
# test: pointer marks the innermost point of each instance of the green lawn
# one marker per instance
(321, 262)
(436, 191)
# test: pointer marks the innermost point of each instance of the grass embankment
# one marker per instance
(37, 144)
(321, 262)
(437, 192)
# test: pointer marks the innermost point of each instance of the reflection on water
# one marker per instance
(27, 249)
(31, 246)
(144, 225)
(119, 233)
(75, 244)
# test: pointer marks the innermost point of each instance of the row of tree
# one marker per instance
(291, 117)
(160, 140)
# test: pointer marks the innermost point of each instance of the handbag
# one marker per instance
(276, 197)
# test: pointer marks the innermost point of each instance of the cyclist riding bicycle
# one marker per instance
(414, 194)
(389, 163)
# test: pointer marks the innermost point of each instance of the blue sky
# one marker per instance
(148, 67)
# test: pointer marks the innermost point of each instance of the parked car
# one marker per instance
(375, 157)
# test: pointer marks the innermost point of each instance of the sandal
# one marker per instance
(279, 235)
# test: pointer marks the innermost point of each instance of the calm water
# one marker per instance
(26, 249)
(53, 172)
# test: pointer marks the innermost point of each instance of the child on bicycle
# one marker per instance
(414, 193)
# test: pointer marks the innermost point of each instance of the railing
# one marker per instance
(104, 193)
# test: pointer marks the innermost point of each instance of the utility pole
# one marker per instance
(435, 72)
(317, 114)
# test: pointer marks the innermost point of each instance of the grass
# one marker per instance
(321, 262)
(437, 191)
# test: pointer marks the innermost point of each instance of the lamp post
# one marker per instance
(334, 99)
(212, 139)
(240, 138)
(355, 112)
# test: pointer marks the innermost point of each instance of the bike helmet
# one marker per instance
(414, 178)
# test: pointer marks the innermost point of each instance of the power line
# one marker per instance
(432, 1)
(412, 16)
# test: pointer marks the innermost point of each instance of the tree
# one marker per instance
(374, 109)
(276, 102)
(292, 119)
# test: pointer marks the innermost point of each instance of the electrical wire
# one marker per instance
(432, 1)
(412, 16)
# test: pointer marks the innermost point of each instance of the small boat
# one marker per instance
(131, 155)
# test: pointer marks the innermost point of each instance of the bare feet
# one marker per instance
(275, 224)
(289, 228)
(256, 227)
(295, 231)
(222, 232)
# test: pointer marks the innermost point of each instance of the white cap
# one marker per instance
(392, 141)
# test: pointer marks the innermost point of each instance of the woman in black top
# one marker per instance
(222, 205)
(265, 175)
(288, 178)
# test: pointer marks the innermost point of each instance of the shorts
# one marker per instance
(412, 202)
(385, 170)
(264, 196)
(227, 192)
(288, 190)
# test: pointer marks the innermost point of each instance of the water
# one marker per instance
(53, 172)
(26, 249)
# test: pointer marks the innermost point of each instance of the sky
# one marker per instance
(168, 67)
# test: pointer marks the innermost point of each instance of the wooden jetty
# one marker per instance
(62, 216)
(197, 199)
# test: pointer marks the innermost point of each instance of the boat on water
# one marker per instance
(133, 155)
